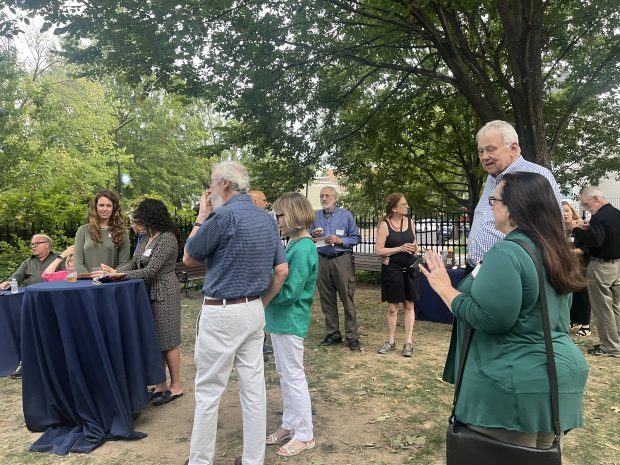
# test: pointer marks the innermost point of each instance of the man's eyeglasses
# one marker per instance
(493, 199)
(34, 244)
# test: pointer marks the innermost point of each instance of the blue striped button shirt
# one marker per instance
(241, 245)
(340, 223)
(483, 233)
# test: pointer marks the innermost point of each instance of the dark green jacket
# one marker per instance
(32, 269)
(505, 384)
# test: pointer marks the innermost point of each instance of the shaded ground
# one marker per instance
(368, 408)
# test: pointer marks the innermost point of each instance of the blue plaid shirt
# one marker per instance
(483, 233)
(241, 245)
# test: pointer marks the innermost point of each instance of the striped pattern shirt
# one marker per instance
(241, 245)
(483, 233)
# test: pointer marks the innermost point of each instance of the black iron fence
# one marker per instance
(437, 231)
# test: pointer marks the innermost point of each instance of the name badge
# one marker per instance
(339, 232)
(147, 253)
(474, 272)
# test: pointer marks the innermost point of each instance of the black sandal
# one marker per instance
(583, 331)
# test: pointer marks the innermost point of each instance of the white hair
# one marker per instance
(589, 192)
(45, 238)
(509, 135)
(331, 188)
(233, 172)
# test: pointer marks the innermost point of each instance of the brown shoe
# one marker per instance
(238, 461)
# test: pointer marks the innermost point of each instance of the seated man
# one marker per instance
(31, 269)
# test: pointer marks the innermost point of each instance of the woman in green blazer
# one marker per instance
(505, 389)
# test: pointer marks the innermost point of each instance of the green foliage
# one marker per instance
(64, 137)
(325, 80)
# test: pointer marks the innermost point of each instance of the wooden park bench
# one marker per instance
(367, 261)
(187, 274)
(192, 276)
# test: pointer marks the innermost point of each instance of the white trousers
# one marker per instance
(227, 337)
(288, 351)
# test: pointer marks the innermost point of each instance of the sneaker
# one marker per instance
(600, 352)
(408, 350)
(386, 347)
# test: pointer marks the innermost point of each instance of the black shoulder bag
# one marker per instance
(467, 447)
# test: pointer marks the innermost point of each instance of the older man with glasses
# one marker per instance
(31, 269)
(499, 153)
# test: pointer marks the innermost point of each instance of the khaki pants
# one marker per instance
(537, 440)
(337, 279)
(230, 337)
(604, 290)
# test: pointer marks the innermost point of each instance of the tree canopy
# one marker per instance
(310, 79)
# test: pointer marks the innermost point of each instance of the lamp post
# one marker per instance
(121, 179)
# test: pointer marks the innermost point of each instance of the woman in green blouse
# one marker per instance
(505, 389)
(287, 319)
(104, 240)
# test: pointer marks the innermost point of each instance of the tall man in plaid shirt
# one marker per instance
(245, 268)
(499, 152)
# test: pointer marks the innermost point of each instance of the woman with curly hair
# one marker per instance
(104, 240)
(154, 261)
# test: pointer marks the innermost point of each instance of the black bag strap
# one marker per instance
(553, 377)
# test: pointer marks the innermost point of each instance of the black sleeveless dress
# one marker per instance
(399, 279)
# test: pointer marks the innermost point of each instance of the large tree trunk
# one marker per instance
(522, 21)
(478, 78)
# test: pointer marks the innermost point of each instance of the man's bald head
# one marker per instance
(258, 198)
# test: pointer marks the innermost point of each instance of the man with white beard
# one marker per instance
(246, 266)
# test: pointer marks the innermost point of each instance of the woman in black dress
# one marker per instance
(580, 309)
(396, 243)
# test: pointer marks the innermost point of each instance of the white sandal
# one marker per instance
(287, 450)
(279, 436)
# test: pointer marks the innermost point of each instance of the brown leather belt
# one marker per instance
(236, 300)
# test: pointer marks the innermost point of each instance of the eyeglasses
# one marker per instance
(279, 215)
(493, 199)
(34, 244)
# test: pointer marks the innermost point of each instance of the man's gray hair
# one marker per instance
(45, 238)
(589, 192)
(330, 188)
(509, 135)
(235, 173)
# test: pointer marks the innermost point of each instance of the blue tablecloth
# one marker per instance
(430, 307)
(88, 353)
(10, 309)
